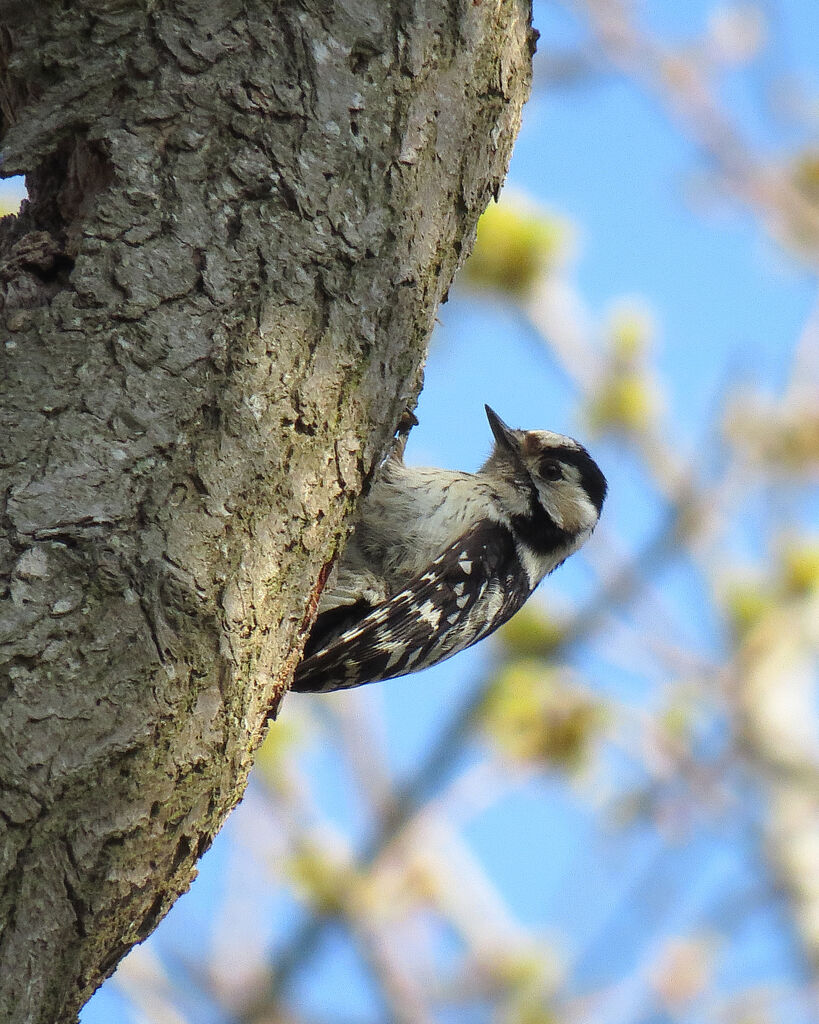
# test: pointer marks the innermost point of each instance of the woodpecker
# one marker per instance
(439, 559)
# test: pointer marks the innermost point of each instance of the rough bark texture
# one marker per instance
(243, 216)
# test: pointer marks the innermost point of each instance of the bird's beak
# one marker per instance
(504, 435)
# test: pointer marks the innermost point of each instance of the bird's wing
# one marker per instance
(469, 590)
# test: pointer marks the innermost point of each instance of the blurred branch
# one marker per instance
(683, 83)
(779, 734)
(143, 981)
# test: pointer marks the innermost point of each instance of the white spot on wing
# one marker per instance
(430, 614)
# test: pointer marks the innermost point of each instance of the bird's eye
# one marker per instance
(550, 469)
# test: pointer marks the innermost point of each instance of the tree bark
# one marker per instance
(216, 303)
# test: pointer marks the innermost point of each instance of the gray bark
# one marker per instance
(215, 307)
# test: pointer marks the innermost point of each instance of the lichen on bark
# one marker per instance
(215, 307)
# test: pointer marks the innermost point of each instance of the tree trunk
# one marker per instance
(216, 303)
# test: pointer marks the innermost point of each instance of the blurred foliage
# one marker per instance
(532, 633)
(750, 598)
(529, 1013)
(783, 439)
(279, 746)
(535, 713)
(625, 402)
(325, 881)
(747, 603)
(627, 396)
(806, 175)
(517, 244)
(800, 562)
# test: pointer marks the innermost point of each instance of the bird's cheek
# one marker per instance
(578, 515)
(554, 508)
(573, 513)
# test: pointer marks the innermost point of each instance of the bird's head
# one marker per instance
(555, 471)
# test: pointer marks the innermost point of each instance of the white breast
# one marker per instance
(412, 513)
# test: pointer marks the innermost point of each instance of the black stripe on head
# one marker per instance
(591, 477)
(538, 530)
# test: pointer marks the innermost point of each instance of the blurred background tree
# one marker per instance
(609, 813)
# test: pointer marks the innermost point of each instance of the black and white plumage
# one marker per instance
(439, 559)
